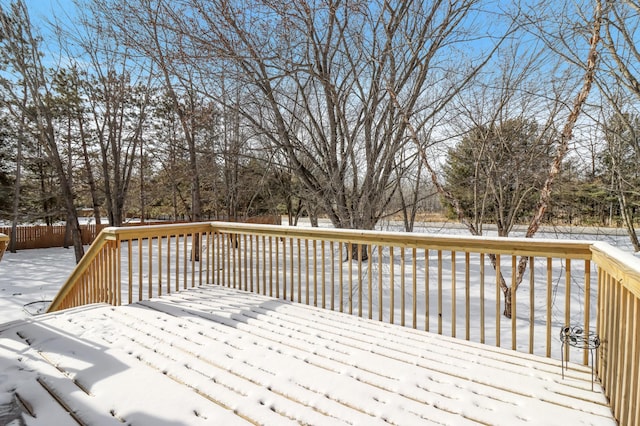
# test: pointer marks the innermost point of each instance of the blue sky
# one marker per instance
(41, 10)
(41, 14)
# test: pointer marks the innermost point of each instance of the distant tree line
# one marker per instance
(351, 110)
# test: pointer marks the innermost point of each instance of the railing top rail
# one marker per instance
(495, 245)
(144, 231)
(122, 233)
(81, 267)
(4, 237)
(624, 267)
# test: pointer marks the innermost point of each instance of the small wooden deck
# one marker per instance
(212, 355)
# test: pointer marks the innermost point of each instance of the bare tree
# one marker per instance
(411, 187)
(564, 137)
(136, 25)
(233, 142)
(315, 80)
(622, 153)
(23, 59)
(619, 84)
(116, 92)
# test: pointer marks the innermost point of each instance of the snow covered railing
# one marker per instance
(4, 242)
(618, 327)
(444, 284)
(109, 268)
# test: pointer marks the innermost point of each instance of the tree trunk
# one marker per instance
(68, 196)
(72, 214)
(16, 195)
(66, 241)
(44, 194)
(355, 252)
(108, 193)
(142, 189)
(567, 130)
(507, 302)
(90, 178)
(545, 192)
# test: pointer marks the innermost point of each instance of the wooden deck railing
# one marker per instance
(4, 242)
(444, 284)
(618, 325)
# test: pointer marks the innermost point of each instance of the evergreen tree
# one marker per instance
(496, 172)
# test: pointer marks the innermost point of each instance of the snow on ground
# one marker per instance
(31, 278)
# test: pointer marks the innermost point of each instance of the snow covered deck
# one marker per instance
(213, 355)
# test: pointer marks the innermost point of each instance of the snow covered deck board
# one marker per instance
(218, 356)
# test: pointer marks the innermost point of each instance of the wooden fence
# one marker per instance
(4, 241)
(42, 236)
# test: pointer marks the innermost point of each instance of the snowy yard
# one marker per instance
(29, 277)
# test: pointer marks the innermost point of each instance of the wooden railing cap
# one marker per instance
(623, 266)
